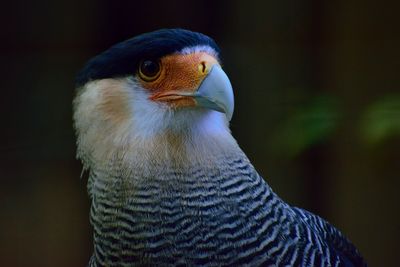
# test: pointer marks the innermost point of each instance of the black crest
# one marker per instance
(123, 58)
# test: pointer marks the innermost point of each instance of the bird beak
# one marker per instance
(215, 92)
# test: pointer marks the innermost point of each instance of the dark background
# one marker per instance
(317, 111)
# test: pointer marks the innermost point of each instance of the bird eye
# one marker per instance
(149, 70)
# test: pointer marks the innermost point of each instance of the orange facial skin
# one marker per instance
(180, 73)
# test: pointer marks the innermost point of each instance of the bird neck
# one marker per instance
(189, 148)
(182, 150)
(180, 143)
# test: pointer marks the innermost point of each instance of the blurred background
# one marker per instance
(317, 90)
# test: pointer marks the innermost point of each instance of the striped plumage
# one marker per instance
(174, 189)
(208, 216)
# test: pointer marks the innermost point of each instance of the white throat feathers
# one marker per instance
(116, 120)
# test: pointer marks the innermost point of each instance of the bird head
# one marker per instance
(167, 83)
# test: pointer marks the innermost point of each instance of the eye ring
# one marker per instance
(149, 70)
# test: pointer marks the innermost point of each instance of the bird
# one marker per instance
(168, 183)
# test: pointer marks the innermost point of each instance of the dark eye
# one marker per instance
(149, 70)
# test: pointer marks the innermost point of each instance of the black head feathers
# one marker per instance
(123, 58)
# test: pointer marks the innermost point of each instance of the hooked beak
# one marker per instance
(215, 92)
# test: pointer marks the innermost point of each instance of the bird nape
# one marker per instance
(167, 181)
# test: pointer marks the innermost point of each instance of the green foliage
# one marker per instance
(381, 120)
(305, 126)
